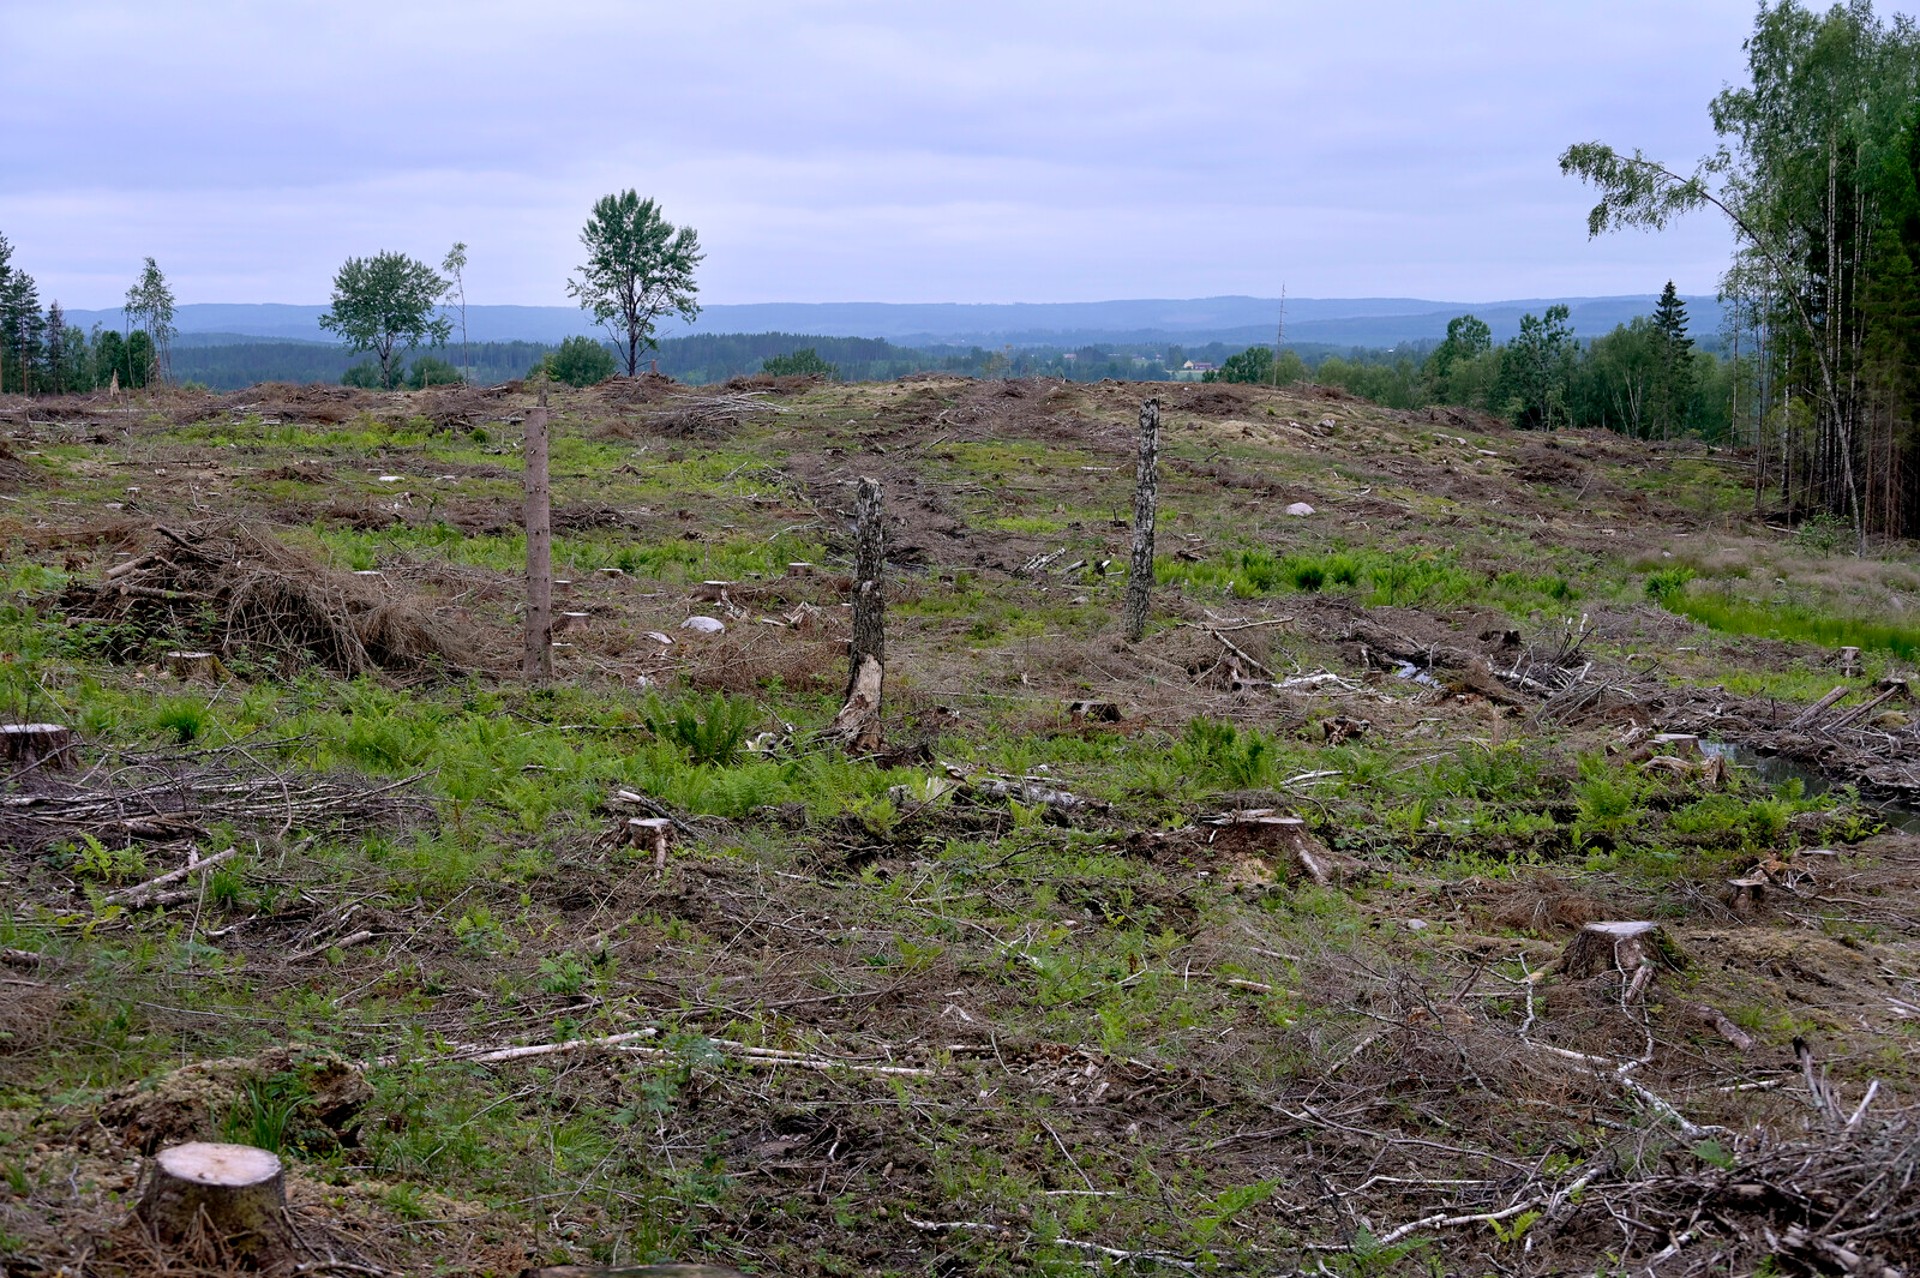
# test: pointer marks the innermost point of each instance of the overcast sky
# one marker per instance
(887, 151)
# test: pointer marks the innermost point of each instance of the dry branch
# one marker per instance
(149, 892)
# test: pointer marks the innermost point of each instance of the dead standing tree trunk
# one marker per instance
(1146, 496)
(538, 664)
(858, 723)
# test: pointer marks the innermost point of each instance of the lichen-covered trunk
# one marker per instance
(858, 722)
(538, 662)
(1146, 497)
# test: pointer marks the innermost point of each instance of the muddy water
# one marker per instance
(1775, 769)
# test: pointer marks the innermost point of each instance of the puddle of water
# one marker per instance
(1774, 769)
(1408, 670)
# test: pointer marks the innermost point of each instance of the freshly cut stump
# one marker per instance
(44, 745)
(230, 1200)
(1629, 947)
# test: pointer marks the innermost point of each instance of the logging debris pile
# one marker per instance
(234, 588)
(165, 798)
(710, 415)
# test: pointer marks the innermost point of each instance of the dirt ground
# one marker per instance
(1263, 967)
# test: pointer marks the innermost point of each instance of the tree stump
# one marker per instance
(189, 666)
(1631, 947)
(712, 591)
(36, 745)
(650, 832)
(1850, 662)
(1093, 712)
(227, 1200)
(568, 622)
(1146, 502)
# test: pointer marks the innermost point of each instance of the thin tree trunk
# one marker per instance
(1146, 498)
(538, 663)
(858, 722)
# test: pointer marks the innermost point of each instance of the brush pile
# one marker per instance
(235, 589)
(710, 415)
(159, 799)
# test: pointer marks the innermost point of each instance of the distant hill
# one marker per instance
(1365, 321)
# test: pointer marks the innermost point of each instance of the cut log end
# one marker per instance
(230, 1199)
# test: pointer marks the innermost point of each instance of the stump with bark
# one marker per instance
(220, 1203)
(190, 666)
(47, 746)
(1629, 947)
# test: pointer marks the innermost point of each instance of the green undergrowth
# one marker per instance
(1415, 575)
(1789, 620)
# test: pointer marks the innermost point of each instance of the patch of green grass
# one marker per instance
(1435, 578)
(1791, 621)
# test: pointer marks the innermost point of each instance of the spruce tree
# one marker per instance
(1673, 400)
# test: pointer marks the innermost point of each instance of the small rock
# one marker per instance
(704, 625)
(1299, 508)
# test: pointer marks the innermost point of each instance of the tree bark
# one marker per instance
(1146, 496)
(858, 722)
(227, 1202)
(43, 745)
(538, 662)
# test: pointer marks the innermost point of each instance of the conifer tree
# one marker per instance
(1673, 394)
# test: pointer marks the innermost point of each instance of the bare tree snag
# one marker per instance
(231, 1199)
(1146, 499)
(858, 723)
(48, 746)
(538, 663)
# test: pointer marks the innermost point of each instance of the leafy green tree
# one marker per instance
(1468, 337)
(455, 265)
(430, 371)
(138, 363)
(1818, 172)
(149, 307)
(805, 362)
(365, 376)
(639, 267)
(1253, 366)
(1535, 369)
(382, 301)
(579, 361)
(1618, 379)
(109, 353)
